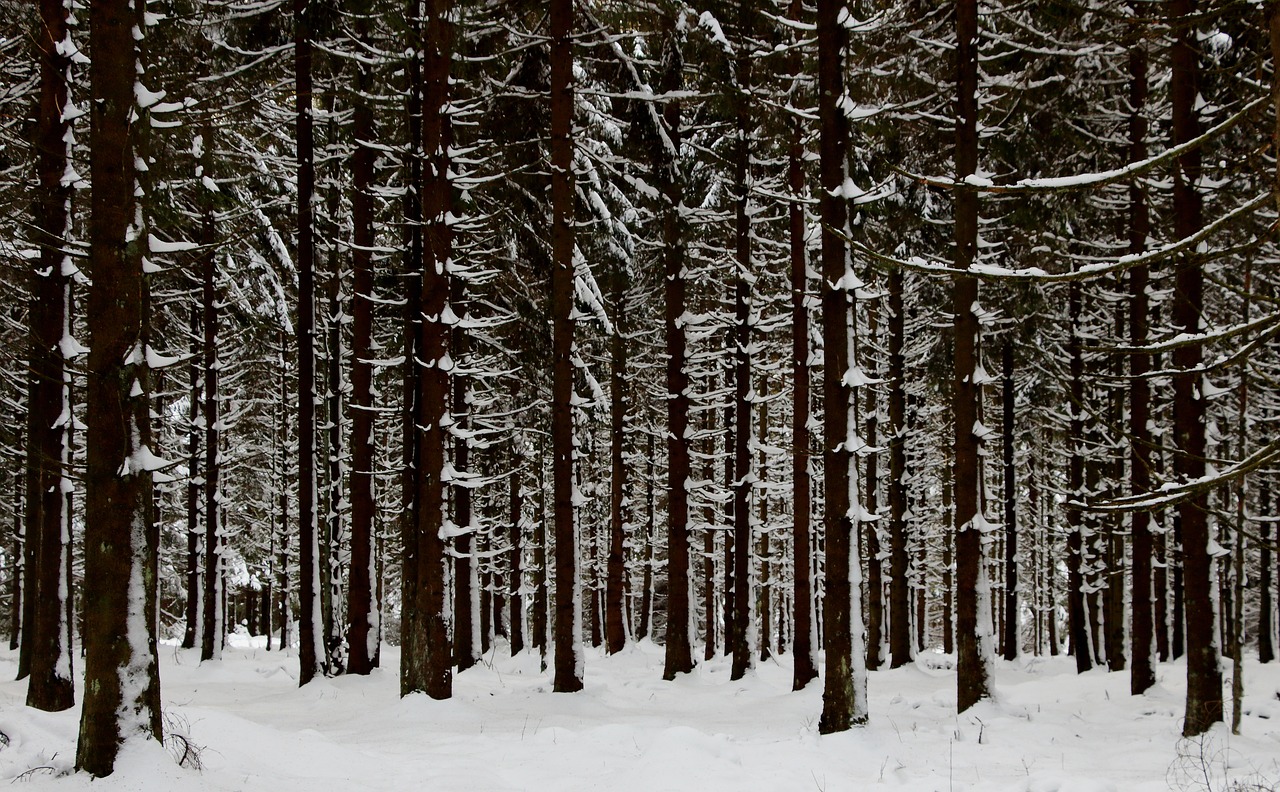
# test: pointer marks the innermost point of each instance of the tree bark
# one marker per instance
(1142, 673)
(805, 668)
(739, 642)
(679, 643)
(973, 627)
(46, 645)
(1012, 623)
(844, 697)
(1204, 677)
(429, 667)
(899, 583)
(363, 612)
(614, 622)
(212, 623)
(121, 540)
(568, 620)
(311, 654)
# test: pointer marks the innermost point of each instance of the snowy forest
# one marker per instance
(390, 338)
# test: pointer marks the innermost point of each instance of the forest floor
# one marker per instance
(1049, 731)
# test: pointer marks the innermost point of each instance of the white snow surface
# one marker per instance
(1052, 731)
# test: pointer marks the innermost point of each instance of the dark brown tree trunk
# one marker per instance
(121, 540)
(1142, 674)
(1077, 619)
(1204, 678)
(212, 624)
(614, 622)
(875, 570)
(363, 610)
(709, 547)
(429, 668)
(973, 628)
(1266, 611)
(46, 644)
(466, 595)
(19, 569)
(540, 593)
(899, 585)
(765, 587)
(515, 567)
(286, 621)
(844, 697)
(650, 538)
(1012, 624)
(679, 643)
(568, 621)
(412, 621)
(332, 538)
(729, 564)
(311, 653)
(743, 607)
(195, 552)
(802, 646)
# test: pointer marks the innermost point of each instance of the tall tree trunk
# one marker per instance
(46, 645)
(650, 538)
(803, 641)
(679, 643)
(429, 668)
(363, 611)
(121, 540)
(871, 528)
(1012, 624)
(18, 569)
(765, 587)
(1204, 677)
(568, 621)
(212, 623)
(1142, 674)
(195, 552)
(743, 605)
(844, 696)
(973, 627)
(1266, 611)
(466, 594)
(311, 653)
(515, 575)
(333, 538)
(540, 593)
(948, 554)
(1077, 619)
(412, 621)
(615, 618)
(899, 583)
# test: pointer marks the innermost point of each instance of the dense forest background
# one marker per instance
(754, 328)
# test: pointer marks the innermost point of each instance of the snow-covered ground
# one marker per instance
(1050, 731)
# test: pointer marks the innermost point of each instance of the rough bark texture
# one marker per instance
(466, 629)
(899, 585)
(1142, 673)
(1012, 622)
(212, 631)
(973, 628)
(802, 646)
(362, 604)
(515, 567)
(1204, 677)
(679, 648)
(739, 642)
(1077, 619)
(429, 667)
(121, 541)
(568, 611)
(46, 645)
(844, 692)
(614, 621)
(195, 551)
(311, 655)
